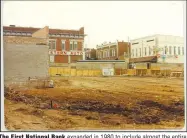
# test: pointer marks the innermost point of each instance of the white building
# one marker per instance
(166, 48)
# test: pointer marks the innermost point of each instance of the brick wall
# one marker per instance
(42, 33)
(61, 59)
(122, 47)
(25, 60)
(23, 40)
(107, 48)
(67, 43)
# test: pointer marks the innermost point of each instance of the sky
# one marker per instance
(103, 21)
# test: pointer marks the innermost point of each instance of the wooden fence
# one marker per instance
(57, 71)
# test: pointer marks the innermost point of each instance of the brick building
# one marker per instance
(112, 51)
(25, 57)
(65, 46)
(90, 53)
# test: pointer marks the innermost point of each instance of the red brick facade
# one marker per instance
(90, 54)
(112, 51)
(66, 45)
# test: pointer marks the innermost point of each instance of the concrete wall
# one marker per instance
(25, 60)
(100, 65)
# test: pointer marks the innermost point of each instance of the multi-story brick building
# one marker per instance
(112, 51)
(65, 46)
(90, 53)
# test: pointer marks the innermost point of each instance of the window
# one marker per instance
(108, 53)
(114, 52)
(145, 51)
(174, 50)
(73, 45)
(51, 58)
(52, 44)
(165, 50)
(179, 50)
(149, 50)
(132, 52)
(170, 50)
(63, 45)
(182, 50)
(140, 52)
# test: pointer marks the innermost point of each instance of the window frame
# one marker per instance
(170, 50)
(63, 45)
(179, 50)
(52, 44)
(174, 50)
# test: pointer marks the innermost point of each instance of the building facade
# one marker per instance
(158, 48)
(112, 51)
(90, 53)
(65, 46)
(25, 57)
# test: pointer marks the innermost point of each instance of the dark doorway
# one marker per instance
(148, 65)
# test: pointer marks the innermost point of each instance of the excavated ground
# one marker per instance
(98, 103)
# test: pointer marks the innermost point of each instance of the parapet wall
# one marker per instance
(24, 40)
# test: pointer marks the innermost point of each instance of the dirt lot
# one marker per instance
(97, 103)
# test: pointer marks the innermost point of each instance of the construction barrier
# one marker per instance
(57, 71)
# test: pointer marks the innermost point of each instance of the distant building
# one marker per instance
(112, 51)
(158, 48)
(65, 46)
(90, 54)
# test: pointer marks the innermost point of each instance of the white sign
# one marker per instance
(51, 58)
(108, 71)
(65, 52)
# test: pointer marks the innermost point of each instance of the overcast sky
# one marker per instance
(103, 21)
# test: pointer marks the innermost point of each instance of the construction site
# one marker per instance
(87, 95)
(97, 103)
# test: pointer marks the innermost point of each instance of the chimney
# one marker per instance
(12, 26)
(81, 30)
